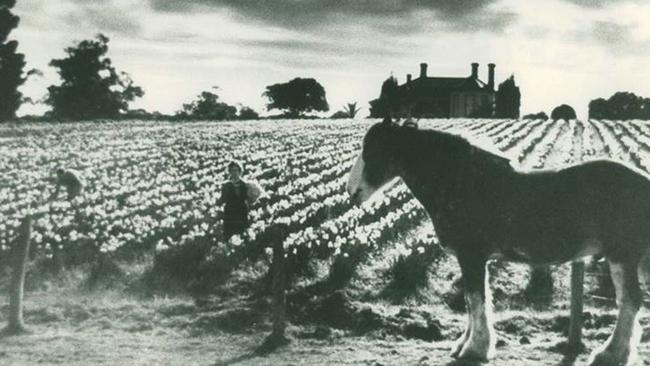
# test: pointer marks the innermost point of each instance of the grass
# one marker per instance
(381, 309)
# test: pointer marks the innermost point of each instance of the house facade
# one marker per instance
(444, 97)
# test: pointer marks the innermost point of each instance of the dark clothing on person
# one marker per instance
(235, 212)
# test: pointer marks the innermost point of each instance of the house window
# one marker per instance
(469, 106)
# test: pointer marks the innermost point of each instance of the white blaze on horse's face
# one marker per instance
(357, 187)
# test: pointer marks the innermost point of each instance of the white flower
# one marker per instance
(236, 240)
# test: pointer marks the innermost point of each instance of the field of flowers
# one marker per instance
(153, 185)
(152, 190)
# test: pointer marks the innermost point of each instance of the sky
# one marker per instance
(560, 51)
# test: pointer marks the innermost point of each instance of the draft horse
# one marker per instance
(482, 207)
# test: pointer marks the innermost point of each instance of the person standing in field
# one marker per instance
(236, 195)
(71, 181)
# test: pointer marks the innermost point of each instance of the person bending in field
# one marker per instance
(237, 195)
(71, 181)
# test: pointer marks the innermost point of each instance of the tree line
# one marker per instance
(622, 106)
(91, 87)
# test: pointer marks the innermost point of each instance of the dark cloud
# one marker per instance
(100, 15)
(459, 15)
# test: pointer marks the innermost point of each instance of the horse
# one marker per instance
(482, 207)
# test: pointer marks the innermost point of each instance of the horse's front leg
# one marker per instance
(621, 347)
(460, 342)
(478, 342)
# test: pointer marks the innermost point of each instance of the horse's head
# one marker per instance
(378, 162)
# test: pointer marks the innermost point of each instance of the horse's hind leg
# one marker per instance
(621, 347)
(644, 271)
(478, 342)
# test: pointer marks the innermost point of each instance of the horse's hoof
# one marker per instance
(457, 348)
(468, 354)
(459, 344)
(608, 358)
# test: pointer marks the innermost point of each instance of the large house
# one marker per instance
(444, 97)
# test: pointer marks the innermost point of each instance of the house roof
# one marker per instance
(429, 84)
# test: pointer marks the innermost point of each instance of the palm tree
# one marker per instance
(351, 109)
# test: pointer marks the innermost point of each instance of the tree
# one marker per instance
(564, 112)
(297, 96)
(537, 116)
(620, 106)
(12, 64)
(350, 110)
(207, 106)
(389, 101)
(247, 113)
(508, 99)
(91, 87)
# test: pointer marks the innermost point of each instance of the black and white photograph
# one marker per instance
(325, 182)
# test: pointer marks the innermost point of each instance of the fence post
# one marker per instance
(577, 294)
(21, 251)
(279, 293)
(277, 337)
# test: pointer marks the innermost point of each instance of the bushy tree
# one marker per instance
(508, 99)
(620, 106)
(564, 111)
(247, 113)
(536, 116)
(91, 87)
(12, 64)
(297, 97)
(207, 106)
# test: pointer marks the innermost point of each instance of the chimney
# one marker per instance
(491, 76)
(475, 70)
(423, 70)
(408, 78)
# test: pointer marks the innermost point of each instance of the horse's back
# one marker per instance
(603, 176)
(566, 211)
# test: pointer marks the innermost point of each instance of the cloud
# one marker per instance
(318, 47)
(611, 33)
(619, 38)
(318, 15)
(596, 4)
(592, 3)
